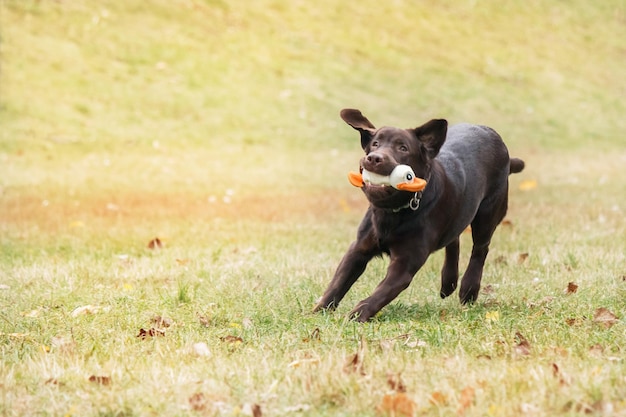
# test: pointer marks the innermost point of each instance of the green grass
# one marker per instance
(214, 126)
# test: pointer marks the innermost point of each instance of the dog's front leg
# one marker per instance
(399, 275)
(349, 270)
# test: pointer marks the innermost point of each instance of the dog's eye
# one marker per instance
(403, 148)
(374, 143)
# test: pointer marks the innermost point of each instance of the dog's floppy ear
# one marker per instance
(354, 118)
(432, 135)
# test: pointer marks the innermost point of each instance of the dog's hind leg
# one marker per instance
(490, 214)
(450, 270)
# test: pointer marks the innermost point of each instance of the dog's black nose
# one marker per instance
(375, 158)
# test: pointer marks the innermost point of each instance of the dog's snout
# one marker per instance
(375, 158)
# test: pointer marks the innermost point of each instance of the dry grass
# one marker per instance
(213, 126)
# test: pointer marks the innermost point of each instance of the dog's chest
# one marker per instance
(387, 228)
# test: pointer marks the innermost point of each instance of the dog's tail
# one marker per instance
(516, 165)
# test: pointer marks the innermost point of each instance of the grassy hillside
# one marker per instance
(214, 126)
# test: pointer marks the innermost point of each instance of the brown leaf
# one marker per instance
(572, 287)
(507, 222)
(235, 340)
(155, 243)
(162, 322)
(466, 400)
(521, 258)
(54, 381)
(523, 346)
(182, 262)
(596, 350)
(395, 382)
(198, 401)
(102, 380)
(152, 332)
(397, 404)
(438, 399)
(604, 317)
(574, 321)
(204, 320)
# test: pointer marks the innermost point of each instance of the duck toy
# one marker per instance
(401, 178)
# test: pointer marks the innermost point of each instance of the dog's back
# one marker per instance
(476, 163)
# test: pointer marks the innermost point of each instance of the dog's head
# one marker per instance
(388, 147)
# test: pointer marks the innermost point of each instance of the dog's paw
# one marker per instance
(361, 313)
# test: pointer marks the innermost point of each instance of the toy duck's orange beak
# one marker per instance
(416, 185)
(355, 179)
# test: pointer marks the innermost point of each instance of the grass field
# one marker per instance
(213, 126)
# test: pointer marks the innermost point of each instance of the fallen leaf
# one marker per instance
(198, 401)
(204, 320)
(235, 340)
(492, 316)
(398, 404)
(574, 321)
(487, 289)
(466, 400)
(604, 317)
(523, 346)
(162, 322)
(152, 332)
(182, 262)
(102, 380)
(528, 185)
(54, 381)
(596, 350)
(572, 287)
(438, 399)
(521, 258)
(395, 382)
(155, 243)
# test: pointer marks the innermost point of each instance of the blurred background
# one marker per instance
(187, 107)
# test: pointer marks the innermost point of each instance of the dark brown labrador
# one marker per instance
(466, 168)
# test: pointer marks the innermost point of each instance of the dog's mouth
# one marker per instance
(401, 178)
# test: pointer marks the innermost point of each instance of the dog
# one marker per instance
(465, 169)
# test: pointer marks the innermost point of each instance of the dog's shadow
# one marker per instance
(421, 312)
(430, 311)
